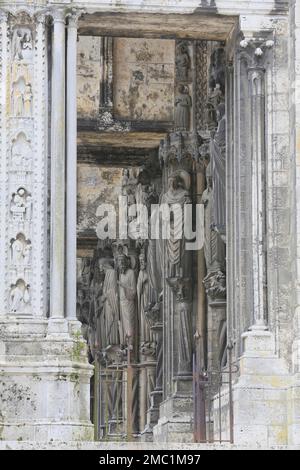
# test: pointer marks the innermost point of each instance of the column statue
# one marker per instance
(127, 293)
(176, 197)
(218, 162)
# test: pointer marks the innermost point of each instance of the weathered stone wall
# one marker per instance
(88, 76)
(96, 185)
(144, 79)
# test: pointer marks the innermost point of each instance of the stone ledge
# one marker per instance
(76, 445)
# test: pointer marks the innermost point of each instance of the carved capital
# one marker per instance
(181, 288)
(255, 51)
(58, 15)
(215, 285)
(154, 314)
(148, 349)
(73, 17)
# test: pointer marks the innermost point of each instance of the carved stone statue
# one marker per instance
(20, 250)
(143, 296)
(22, 44)
(182, 62)
(127, 293)
(21, 205)
(110, 311)
(19, 296)
(185, 338)
(183, 103)
(20, 152)
(176, 197)
(214, 247)
(27, 100)
(218, 162)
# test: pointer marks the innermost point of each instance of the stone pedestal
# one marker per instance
(44, 385)
(152, 416)
(176, 422)
(259, 395)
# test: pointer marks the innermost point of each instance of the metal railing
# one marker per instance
(213, 402)
(113, 408)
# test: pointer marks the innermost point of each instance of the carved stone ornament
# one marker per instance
(181, 288)
(255, 49)
(215, 285)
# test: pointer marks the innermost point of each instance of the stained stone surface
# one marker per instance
(144, 84)
(88, 76)
(43, 362)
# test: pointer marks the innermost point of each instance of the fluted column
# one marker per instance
(57, 274)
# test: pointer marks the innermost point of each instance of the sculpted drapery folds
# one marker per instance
(218, 166)
(183, 103)
(176, 197)
(127, 293)
(110, 304)
(214, 247)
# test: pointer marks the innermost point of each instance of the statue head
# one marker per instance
(178, 182)
(183, 89)
(21, 192)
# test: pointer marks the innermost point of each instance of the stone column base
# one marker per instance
(176, 422)
(259, 395)
(44, 382)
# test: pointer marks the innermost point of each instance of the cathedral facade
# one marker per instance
(149, 204)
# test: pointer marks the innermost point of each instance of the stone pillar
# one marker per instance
(57, 251)
(259, 406)
(44, 378)
(71, 167)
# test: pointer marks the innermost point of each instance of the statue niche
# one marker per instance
(21, 98)
(21, 205)
(19, 297)
(22, 44)
(20, 250)
(21, 152)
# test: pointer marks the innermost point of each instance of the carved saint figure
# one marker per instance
(185, 339)
(20, 250)
(143, 296)
(21, 205)
(214, 248)
(183, 103)
(176, 197)
(17, 98)
(110, 301)
(22, 44)
(127, 293)
(182, 62)
(21, 151)
(27, 100)
(19, 296)
(218, 159)
(21, 98)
